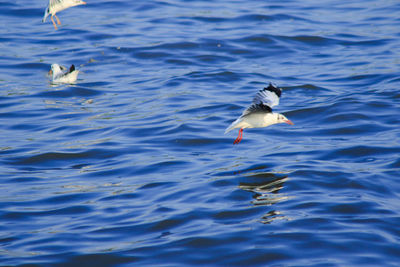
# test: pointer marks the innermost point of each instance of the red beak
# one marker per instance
(289, 122)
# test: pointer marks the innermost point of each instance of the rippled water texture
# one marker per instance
(131, 164)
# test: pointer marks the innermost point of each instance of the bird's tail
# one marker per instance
(232, 126)
(73, 76)
(46, 14)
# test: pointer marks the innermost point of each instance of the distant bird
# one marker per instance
(60, 74)
(260, 114)
(58, 5)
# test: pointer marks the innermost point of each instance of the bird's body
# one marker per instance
(60, 74)
(58, 5)
(254, 120)
(260, 114)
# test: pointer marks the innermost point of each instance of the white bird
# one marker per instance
(58, 5)
(260, 114)
(60, 74)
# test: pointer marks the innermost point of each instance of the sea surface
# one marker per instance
(130, 166)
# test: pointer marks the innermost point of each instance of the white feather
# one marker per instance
(267, 98)
(60, 76)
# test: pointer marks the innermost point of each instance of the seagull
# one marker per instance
(260, 114)
(60, 74)
(58, 5)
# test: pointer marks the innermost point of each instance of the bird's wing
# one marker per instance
(264, 100)
(257, 108)
(55, 2)
(63, 68)
(268, 96)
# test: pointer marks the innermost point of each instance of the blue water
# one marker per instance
(131, 166)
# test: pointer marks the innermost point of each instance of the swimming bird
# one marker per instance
(60, 74)
(260, 114)
(58, 5)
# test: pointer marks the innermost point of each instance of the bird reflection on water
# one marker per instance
(266, 187)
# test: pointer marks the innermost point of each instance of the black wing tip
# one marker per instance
(274, 89)
(72, 68)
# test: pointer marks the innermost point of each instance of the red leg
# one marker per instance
(58, 21)
(55, 26)
(239, 138)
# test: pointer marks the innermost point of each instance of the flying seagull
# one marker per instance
(260, 114)
(58, 5)
(60, 74)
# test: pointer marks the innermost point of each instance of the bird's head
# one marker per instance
(281, 118)
(55, 70)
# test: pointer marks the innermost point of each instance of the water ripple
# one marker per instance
(130, 165)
